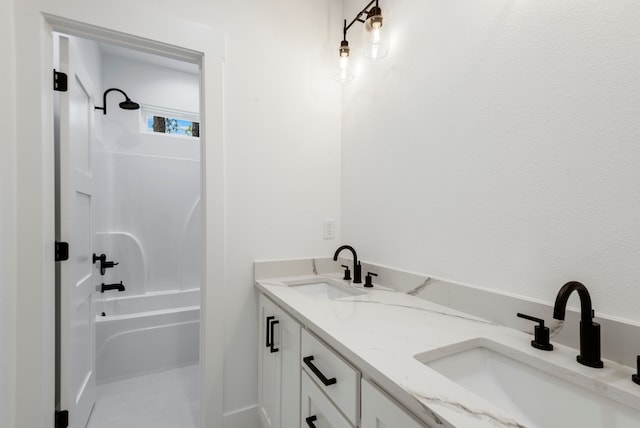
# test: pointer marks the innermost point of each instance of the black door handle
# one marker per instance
(326, 382)
(271, 345)
(310, 421)
(267, 342)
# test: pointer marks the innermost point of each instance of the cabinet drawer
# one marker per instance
(333, 375)
(317, 410)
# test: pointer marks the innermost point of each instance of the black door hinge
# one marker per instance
(62, 418)
(62, 251)
(59, 81)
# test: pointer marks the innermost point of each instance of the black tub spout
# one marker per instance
(104, 287)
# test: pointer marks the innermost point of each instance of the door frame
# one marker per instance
(35, 338)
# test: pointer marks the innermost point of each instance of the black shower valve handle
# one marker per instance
(104, 263)
(541, 333)
(347, 273)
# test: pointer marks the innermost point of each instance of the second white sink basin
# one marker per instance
(323, 290)
(531, 395)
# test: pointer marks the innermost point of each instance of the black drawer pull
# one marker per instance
(272, 344)
(317, 372)
(267, 342)
(310, 421)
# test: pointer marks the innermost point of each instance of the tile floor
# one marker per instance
(168, 399)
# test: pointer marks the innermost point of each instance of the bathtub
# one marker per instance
(146, 333)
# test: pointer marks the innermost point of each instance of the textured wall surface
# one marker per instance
(497, 145)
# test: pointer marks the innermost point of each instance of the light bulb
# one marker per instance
(344, 73)
(373, 41)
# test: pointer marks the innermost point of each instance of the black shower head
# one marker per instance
(127, 104)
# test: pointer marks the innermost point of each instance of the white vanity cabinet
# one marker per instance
(380, 411)
(278, 367)
(304, 383)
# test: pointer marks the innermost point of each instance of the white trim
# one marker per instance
(243, 418)
(177, 114)
(35, 347)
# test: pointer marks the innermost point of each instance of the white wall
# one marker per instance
(7, 218)
(283, 156)
(498, 145)
(282, 163)
(149, 214)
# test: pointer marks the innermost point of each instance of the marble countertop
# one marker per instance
(381, 332)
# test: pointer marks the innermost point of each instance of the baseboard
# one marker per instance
(242, 418)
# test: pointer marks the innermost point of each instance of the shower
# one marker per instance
(127, 104)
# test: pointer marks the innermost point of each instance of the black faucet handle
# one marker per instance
(368, 280)
(636, 377)
(541, 333)
(347, 273)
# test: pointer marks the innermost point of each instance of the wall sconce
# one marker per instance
(373, 41)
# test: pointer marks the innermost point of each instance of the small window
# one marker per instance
(172, 122)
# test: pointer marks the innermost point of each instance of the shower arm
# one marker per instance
(104, 99)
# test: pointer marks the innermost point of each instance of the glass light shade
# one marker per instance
(373, 41)
(345, 73)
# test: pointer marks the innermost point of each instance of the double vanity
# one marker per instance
(338, 354)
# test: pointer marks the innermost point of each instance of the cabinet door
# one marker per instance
(287, 339)
(278, 367)
(379, 411)
(269, 366)
(317, 410)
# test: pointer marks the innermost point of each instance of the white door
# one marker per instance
(74, 210)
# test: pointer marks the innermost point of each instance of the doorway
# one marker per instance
(128, 200)
(35, 207)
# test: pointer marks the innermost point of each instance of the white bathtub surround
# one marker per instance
(382, 331)
(149, 217)
(167, 399)
(145, 334)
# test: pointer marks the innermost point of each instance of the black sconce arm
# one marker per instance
(358, 18)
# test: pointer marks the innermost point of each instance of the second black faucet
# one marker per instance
(589, 330)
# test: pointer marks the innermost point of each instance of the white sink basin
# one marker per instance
(323, 289)
(531, 395)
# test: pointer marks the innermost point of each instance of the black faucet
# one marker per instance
(104, 287)
(589, 330)
(357, 268)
